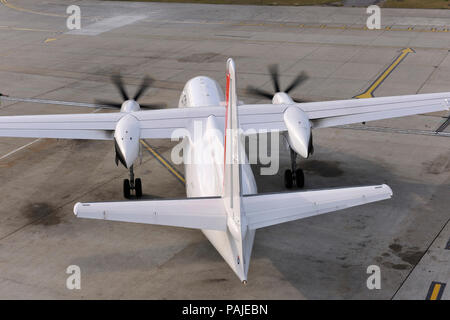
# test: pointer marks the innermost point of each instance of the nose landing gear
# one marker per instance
(132, 184)
(294, 175)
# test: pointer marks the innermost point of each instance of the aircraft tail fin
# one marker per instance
(232, 168)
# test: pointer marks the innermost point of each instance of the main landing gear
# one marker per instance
(294, 175)
(132, 184)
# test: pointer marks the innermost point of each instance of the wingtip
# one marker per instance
(388, 189)
(75, 208)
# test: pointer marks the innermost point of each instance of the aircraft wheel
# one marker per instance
(299, 178)
(138, 187)
(126, 188)
(288, 179)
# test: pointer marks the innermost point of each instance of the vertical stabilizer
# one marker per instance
(232, 168)
(238, 239)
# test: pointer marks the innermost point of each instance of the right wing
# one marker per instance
(197, 213)
(333, 113)
(255, 117)
(270, 209)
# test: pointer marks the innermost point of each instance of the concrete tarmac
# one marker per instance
(324, 257)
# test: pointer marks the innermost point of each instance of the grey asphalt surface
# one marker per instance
(324, 257)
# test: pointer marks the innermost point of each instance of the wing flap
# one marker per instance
(324, 109)
(270, 209)
(197, 213)
(372, 116)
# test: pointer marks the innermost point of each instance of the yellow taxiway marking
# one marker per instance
(49, 40)
(163, 162)
(369, 92)
(11, 6)
(25, 29)
(436, 289)
(306, 26)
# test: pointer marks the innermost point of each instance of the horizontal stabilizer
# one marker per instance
(197, 213)
(270, 209)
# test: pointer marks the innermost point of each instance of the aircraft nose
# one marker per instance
(131, 155)
(127, 149)
(126, 139)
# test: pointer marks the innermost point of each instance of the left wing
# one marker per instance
(99, 126)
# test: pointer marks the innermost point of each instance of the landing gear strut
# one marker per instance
(294, 175)
(132, 184)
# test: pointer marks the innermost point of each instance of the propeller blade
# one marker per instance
(146, 82)
(259, 93)
(111, 104)
(297, 81)
(153, 105)
(296, 100)
(117, 80)
(273, 70)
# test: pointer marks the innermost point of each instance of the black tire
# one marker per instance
(138, 187)
(299, 178)
(126, 188)
(288, 181)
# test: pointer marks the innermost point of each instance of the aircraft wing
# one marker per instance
(270, 209)
(98, 126)
(197, 213)
(162, 123)
(341, 112)
(333, 113)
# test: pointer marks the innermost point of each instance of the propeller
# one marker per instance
(274, 75)
(144, 86)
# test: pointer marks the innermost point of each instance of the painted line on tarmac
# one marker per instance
(164, 162)
(307, 26)
(105, 25)
(25, 29)
(436, 290)
(19, 148)
(386, 73)
(14, 7)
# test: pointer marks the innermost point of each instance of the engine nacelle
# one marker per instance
(299, 131)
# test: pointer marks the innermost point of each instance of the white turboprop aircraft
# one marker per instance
(222, 196)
